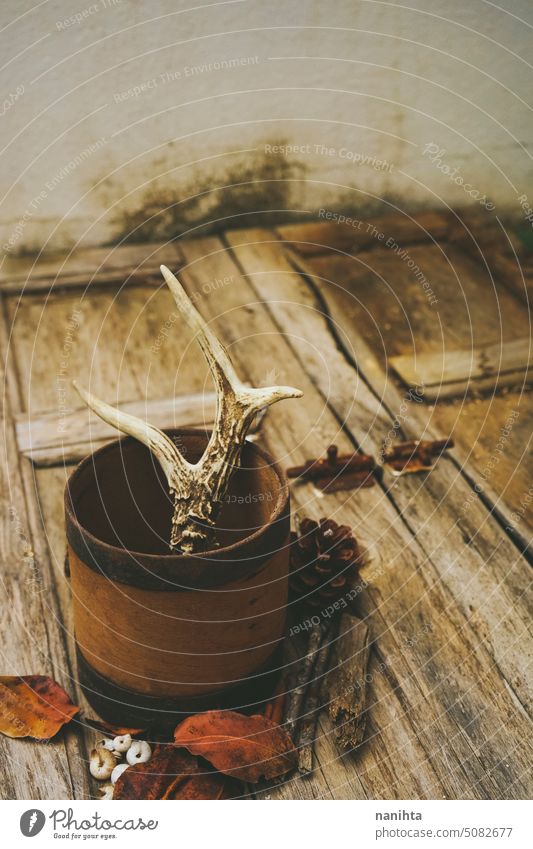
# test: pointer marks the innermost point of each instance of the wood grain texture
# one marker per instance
(456, 372)
(49, 438)
(31, 626)
(345, 685)
(354, 234)
(87, 267)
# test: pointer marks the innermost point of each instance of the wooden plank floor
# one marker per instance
(449, 596)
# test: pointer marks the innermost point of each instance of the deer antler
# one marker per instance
(198, 489)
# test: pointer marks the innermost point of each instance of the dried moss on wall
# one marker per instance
(255, 190)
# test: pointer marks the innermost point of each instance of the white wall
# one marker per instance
(375, 79)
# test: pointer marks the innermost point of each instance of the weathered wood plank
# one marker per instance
(128, 264)
(38, 351)
(434, 678)
(49, 438)
(345, 683)
(31, 626)
(347, 232)
(495, 247)
(386, 294)
(124, 345)
(452, 372)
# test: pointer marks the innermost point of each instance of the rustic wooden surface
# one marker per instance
(452, 374)
(50, 438)
(323, 307)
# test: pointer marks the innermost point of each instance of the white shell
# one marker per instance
(101, 764)
(117, 772)
(106, 744)
(122, 743)
(139, 752)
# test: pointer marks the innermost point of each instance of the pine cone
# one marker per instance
(325, 561)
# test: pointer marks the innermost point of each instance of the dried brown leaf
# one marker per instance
(173, 773)
(152, 779)
(33, 706)
(246, 747)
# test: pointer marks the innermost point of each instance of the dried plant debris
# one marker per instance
(337, 472)
(252, 191)
(309, 724)
(301, 675)
(415, 455)
(274, 708)
(325, 568)
(212, 754)
(33, 706)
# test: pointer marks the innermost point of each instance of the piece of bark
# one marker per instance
(344, 688)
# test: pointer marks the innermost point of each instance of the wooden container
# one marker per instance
(160, 634)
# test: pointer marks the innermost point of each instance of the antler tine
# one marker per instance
(225, 376)
(264, 396)
(216, 355)
(236, 408)
(173, 464)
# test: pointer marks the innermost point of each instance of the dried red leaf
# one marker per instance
(246, 747)
(172, 773)
(33, 706)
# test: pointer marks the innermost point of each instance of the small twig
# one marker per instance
(278, 708)
(309, 724)
(303, 676)
(335, 472)
(274, 707)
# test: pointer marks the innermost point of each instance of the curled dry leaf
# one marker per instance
(150, 780)
(33, 706)
(172, 773)
(246, 747)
